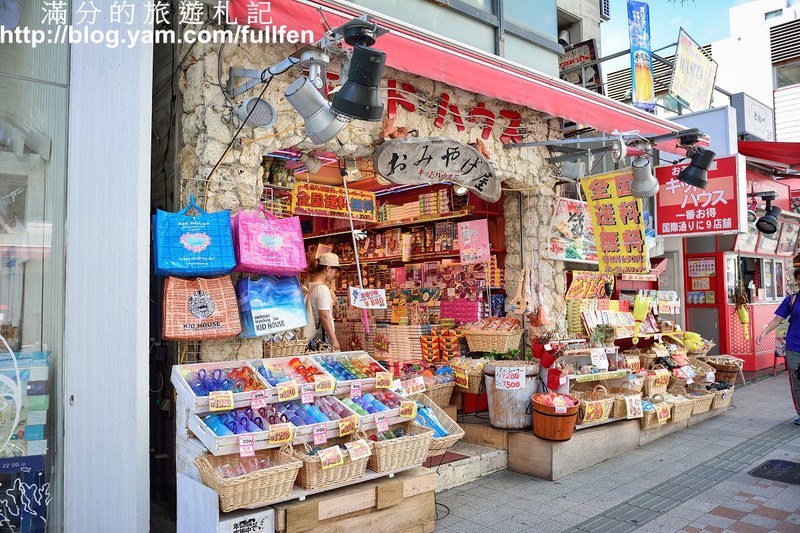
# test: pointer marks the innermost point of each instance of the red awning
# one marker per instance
(422, 53)
(775, 154)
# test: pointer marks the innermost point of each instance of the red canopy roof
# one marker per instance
(420, 52)
(781, 155)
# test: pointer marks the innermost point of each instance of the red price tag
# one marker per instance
(355, 390)
(320, 434)
(246, 448)
(307, 393)
(258, 399)
(381, 423)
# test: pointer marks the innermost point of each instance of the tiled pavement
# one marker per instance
(693, 480)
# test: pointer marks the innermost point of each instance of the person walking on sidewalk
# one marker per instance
(789, 310)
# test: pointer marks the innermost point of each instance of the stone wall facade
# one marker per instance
(237, 183)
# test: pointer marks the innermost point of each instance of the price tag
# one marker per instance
(460, 376)
(220, 400)
(323, 383)
(347, 425)
(408, 409)
(307, 393)
(633, 407)
(562, 380)
(246, 448)
(331, 457)
(381, 424)
(383, 380)
(288, 390)
(358, 449)
(320, 434)
(509, 378)
(599, 358)
(280, 433)
(710, 376)
(662, 412)
(355, 390)
(413, 386)
(561, 408)
(258, 399)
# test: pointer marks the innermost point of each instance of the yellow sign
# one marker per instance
(331, 457)
(460, 376)
(383, 380)
(408, 409)
(220, 400)
(663, 411)
(347, 425)
(618, 222)
(280, 433)
(288, 390)
(358, 449)
(323, 383)
(318, 200)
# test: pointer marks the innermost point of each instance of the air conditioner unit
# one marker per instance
(605, 9)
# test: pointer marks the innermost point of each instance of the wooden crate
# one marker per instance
(402, 503)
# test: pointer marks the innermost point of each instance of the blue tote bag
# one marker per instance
(191, 246)
(270, 304)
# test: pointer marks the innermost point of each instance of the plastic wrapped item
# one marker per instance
(270, 304)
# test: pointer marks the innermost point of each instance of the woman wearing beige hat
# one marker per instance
(321, 272)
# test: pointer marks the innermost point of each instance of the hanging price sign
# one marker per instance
(413, 386)
(460, 376)
(358, 449)
(633, 407)
(320, 434)
(408, 409)
(307, 393)
(331, 457)
(280, 433)
(355, 390)
(509, 378)
(383, 380)
(662, 412)
(220, 400)
(381, 424)
(258, 399)
(347, 425)
(246, 448)
(288, 390)
(323, 383)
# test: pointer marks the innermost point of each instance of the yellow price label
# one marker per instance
(358, 449)
(288, 390)
(323, 383)
(408, 409)
(331, 457)
(383, 380)
(280, 433)
(347, 425)
(220, 400)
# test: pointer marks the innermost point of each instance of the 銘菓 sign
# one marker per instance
(413, 161)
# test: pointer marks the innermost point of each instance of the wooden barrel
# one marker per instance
(550, 425)
(510, 408)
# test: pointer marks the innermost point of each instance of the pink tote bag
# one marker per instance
(266, 244)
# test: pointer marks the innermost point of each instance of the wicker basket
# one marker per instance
(700, 353)
(649, 419)
(649, 388)
(721, 399)
(702, 400)
(620, 408)
(455, 432)
(681, 409)
(701, 367)
(440, 394)
(474, 382)
(493, 341)
(647, 359)
(286, 347)
(259, 488)
(596, 405)
(394, 454)
(313, 477)
(727, 368)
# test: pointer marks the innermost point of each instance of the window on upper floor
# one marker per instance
(772, 14)
(787, 74)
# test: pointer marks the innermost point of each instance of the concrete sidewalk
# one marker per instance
(693, 480)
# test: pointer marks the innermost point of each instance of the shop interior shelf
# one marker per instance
(397, 259)
(464, 213)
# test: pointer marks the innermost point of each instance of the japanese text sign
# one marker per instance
(358, 449)
(590, 285)
(368, 298)
(280, 433)
(325, 201)
(509, 378)
(641, 55)
(246, 448)
(571, 236)
(330, 457)
(320, 433)
(617, 218)
(473, 241)
(684, 210)
(347, 425)
(221, 400)
(693, 77)
(429, 160)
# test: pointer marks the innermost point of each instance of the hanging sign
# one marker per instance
(323, 383)
(662, 412)
(408, 409)
(383, 380)
(288, 390)
(368, 298)
(641, 55)
(359, 449)
(473, 241)
(618, 222)
(460, 375)
(683, 210)
(330, 457)
(571, 236)
(347, 425)
(317, 200)
(509, 378)
(430, 160)
(693, 76)
(633, 407)
(591, 285)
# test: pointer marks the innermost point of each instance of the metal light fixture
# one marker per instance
(261, 113)
(767, 224)
(322, 124)
(311, 162)
(644, 184)
(460, 190)
(619, 150)
(697, 172)
(359, 97)
(351, 169)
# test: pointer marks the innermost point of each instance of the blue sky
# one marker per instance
(704, 20)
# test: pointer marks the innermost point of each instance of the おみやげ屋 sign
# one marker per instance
(683, 210)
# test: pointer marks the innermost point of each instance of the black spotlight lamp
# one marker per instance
(697, 172)
(359, 97)
(768, 224)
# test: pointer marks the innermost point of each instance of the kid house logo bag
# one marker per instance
(191, 246)
(266, 244)
(200, 309)
(270, 305)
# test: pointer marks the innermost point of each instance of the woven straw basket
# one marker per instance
(394, 454)
(620, 408)
(702, 400)
(200, 309)
(440, 394)
(313, 477)
(721, 399)
(455, 432)
(649, 419)
(493, 341)
(255, 489)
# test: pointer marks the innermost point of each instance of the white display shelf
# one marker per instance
(199, 404)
